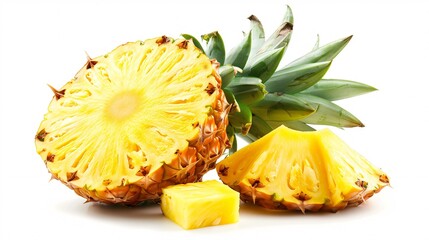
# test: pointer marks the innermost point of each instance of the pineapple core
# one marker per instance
(202, 204)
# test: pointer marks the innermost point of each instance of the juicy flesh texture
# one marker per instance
(128, 113)
(202, 204)
(288, 169)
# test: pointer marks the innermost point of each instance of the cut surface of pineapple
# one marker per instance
(144, 116)
(202, 204)
(289, 169)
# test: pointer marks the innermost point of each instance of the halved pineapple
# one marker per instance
(144, 116)
(202, 204)
(288, 169)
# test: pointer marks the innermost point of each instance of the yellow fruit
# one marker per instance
(147, 115)
(202, 204)
(288, 169)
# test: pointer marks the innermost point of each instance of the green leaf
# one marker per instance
(288, 17)
(282, 107)
(325, 53)
(227, 73)
(264, 64)
(215, 48)
(240, 81)
(232, 139)
(231, 100)
(297, 78)
(317, 44)
(328, 113)
(249, 94)
(234, 146)
(241, 120)
(259, 128)
(257, 35)
(279, 39)
(297, 125)
(247, 90)
(238, 56)
(336, 89)
(194, 40)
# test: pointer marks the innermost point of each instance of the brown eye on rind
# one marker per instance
(72, 176)
(162, 40)
(302, 196)
(256, 183)
(143, 171)
(50, 157)
(41, 135)
(183, 45)
(210, 89)
(106, 182)
(383, 178)
(58, 94)
(361, 183)
(223, 170)
(89, 62)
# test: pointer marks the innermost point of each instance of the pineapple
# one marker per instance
(295, 170)
(202, 204)
(160, 112)
(147, 115)
(265, 96)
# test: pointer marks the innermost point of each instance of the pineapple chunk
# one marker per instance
(201, 204)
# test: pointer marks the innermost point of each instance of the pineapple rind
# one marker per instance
(288, 169)
(145, 116)
(202, 204)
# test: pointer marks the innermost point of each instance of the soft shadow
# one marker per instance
(144, 211)
(146, 216)
(255, 210)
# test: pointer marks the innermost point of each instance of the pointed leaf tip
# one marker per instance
(337, 89)
(317, 44)
(328, 113)
(347, 39)
(253, 18)
(257, 35)
(324, 53)
(238, 55)
(288, 17)
(215, 48)
(194, 40)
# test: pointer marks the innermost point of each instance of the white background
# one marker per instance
(44, 42)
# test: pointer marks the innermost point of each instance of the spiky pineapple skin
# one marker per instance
(250, 196)
(189, 165)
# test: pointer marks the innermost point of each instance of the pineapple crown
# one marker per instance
(265, 96)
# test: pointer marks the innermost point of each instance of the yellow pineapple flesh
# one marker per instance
(147, 115)
(202, 204)
(288, 169)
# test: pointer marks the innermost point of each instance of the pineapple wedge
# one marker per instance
(288, 169)
(202, 204)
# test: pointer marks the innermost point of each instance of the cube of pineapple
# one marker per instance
(201, 204)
